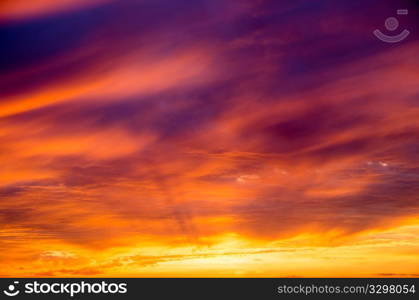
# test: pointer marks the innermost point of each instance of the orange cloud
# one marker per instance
(17, 9)
(200, 145)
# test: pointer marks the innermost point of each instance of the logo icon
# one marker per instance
(392, 24)
(11, 289)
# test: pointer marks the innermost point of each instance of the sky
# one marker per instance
(208, 138)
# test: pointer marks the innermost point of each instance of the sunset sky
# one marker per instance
(208, 138)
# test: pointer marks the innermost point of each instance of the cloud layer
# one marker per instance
(147, 138)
